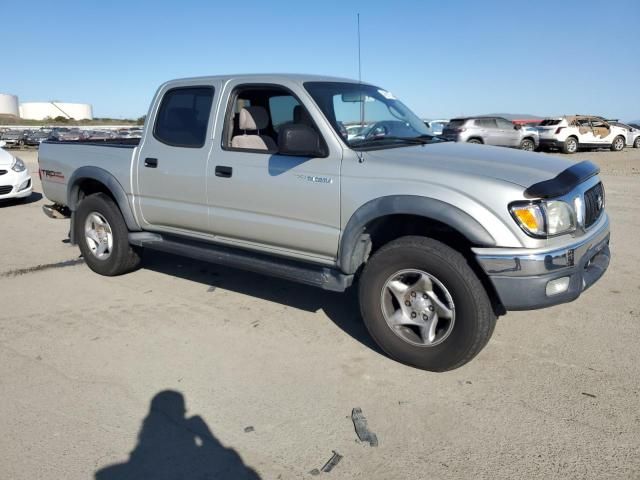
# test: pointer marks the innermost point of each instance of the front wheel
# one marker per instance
(103, 236)
(476, 141)
(424, 305)
(618, 144)
(528, 145)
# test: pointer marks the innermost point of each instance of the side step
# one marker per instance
(301, 272)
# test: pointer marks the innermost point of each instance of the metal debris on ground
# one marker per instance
(249, 429)
(315, 472)
(333, 461)
(363, 432)
(588, 394)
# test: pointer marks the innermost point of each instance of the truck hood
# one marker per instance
(6, 159)
(507, 164)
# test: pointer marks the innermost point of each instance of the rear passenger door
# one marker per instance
(488, 130)
(508, 136)
(172, 161)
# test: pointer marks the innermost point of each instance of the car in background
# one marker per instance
(633, 133)
(354, 131)
(15, 181)
(436, 127)
(34, 138)
(13, 138)
(571, 133)
(99, 135)
(491, 131)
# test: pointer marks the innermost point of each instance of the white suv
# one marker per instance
(571, 133)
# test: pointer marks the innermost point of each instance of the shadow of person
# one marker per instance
(172, 446)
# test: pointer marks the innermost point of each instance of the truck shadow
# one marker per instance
(171, 445)
(341, 308)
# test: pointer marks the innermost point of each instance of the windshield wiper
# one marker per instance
(419, 140)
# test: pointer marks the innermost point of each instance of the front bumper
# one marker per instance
(15, 185)
(521, 277)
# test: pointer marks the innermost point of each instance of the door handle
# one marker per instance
(224, 172)
(151, 162)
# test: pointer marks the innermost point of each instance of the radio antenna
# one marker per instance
(362, 98)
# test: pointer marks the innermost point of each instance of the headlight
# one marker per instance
(18, 165)
(544, 219)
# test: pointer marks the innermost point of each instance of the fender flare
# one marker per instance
(107, 179)
(351, 253)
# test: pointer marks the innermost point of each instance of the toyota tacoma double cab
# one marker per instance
(258, 172)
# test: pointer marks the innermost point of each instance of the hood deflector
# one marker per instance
(564, 182)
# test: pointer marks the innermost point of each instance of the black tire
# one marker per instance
(636, 143)
(618, 144)
(570, 145)
(474, 316)
(476, 141)
(123, 257)
(528, 145)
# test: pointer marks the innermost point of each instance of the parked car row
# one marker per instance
(33, 138)
(568, 134)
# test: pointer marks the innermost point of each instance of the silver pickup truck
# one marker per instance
(258, 172)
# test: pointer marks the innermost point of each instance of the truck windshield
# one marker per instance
(367, 117)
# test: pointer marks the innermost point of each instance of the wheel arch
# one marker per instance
(356, 242)
(89, 179)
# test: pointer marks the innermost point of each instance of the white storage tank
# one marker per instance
(9, 105)
(42, 110)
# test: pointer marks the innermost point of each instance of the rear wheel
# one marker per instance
(528, 145)
(474, 140)
(618, 144)
(636, 143)
(424, 305)
(570, 145)
(103, 236)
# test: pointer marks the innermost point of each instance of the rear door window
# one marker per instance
(486, 123)
(183, 117)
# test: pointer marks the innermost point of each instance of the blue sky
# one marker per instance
(440, 58)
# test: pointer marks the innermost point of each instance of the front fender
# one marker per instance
(407, 205)
(115, 188)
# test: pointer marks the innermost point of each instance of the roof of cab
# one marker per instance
(268, 78)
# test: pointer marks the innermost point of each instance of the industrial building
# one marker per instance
(9, 105)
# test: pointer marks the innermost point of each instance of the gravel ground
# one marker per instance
(190, 368)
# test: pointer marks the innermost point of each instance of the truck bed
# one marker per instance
(59, 160)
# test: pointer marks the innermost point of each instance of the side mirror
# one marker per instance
(517, 126)
(300, 140)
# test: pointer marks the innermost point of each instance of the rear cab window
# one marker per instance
(183, 116)
(549, 122)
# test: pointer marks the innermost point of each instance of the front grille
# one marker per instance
(2, 172)
(593, 204)
(4, 189)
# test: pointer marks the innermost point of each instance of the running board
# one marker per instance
(318, 276)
